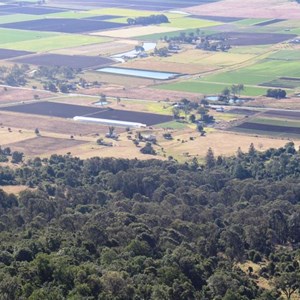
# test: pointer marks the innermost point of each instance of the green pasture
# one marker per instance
(286, 55)
(187, 23)
(276, 121)
(283, 83)
(256, 50)
(262, 72)
(15, 35)
(56, 42)
(208, 88)
(19, 18)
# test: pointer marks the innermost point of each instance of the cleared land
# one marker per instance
(73, 61)
(44, 145)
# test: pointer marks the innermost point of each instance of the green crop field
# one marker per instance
(14, 35)
(208, 88)
(261, 72)
(19, 18)
(276, 121)
(187, 23)
(286, 55)
(56, 42)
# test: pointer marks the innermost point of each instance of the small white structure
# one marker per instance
(109, 122)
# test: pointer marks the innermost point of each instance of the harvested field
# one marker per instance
(253, 38)
(272, 9)
(61, 110)
(44, 145)
(73, 61)
(63, 25)
(266, 23)
(6, 53)
(269, 128)
(157, 64)
(14, 95)
(46, 124)
(136, 31)
(105, 49)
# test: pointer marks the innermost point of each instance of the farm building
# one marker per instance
(109, 122)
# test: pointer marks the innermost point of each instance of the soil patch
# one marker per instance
(252, 38)
(63, 25)
(269, 128)
(61, 110)
(73, 61)
(6, 53)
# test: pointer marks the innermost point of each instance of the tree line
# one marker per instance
(106, 228)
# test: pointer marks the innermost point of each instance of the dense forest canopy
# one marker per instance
(129, 229)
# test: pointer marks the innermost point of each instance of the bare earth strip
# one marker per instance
(273, 9)
(135, 31)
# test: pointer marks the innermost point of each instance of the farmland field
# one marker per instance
(62, 25)
(44, 145)
(56, 42)
(14, 35)
(208, 88)
(87, 35)
(73, 61)
(53, 109)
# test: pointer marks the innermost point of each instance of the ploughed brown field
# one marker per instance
(269, 128)
(254, 38)
(63, 25)
(72, 61)
(61, 110)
